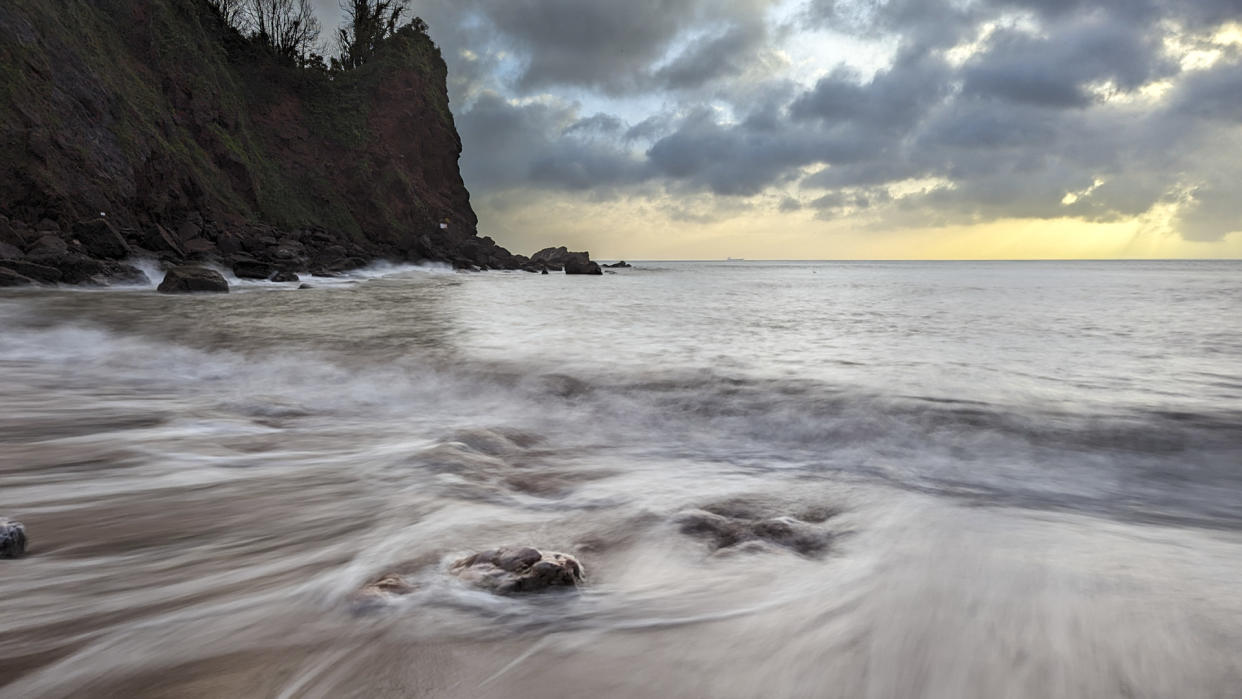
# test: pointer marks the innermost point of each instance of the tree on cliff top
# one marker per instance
(367, 24)
(289, 27)
(233, 12)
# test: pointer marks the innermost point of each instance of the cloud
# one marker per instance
(1100, 110)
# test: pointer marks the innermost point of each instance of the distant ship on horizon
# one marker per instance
(735, 259)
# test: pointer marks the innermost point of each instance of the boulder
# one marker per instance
(9, 252)
(10, 278)
(75, 268)
(37, 272)
(507, 571)
(118, 273)
(159, 239)
(48, 244)
(100, 239)
(620, 265)
(186, 279)
(199, 248)
(285, 276)
(580, 263)
(12, 539)
(252, 269)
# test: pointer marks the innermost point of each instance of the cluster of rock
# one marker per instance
(558, 259)
(94, 251)
(87, 252)
(12, 539)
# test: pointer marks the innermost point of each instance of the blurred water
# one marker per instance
(1023, 480)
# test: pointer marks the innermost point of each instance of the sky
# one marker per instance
(849, 129)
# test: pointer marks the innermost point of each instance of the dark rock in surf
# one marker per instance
(557, 259)
(580, 263)
(183, 280)
(252, 269)
(507, 571)
(12, 539)
(37, 272)
(305, 286)
(284, 276)
(620, 265)
(10, 278)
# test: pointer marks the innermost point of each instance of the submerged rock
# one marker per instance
(741, 526)
(391, 585)
(182, 280)
(285, 276)
(620, 265)
(507, 571)
(12, 539)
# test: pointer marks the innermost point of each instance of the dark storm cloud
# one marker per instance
(1043, 117)
(1054, 70)
(543, 143)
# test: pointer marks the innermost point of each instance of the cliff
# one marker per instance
(195, 143)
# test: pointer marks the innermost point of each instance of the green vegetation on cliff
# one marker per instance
(157, 111)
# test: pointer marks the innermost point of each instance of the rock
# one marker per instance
(9, 252)
(47, 244)
(543, 270)
(620, 265)
(75, 268)
(126, 274)
(742, 526)
(284, 276)
(561, 258)
(10, 278)
(390, 585)
(508, 571)
(199, 247)
(48, 225)
(37, 272)
(186, 279)
(159, 239)
(252, 269)
(100, 239)
(306, 286)
(12, 539)
(580, 263)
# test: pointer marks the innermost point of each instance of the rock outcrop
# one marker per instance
(561, 258)
(149, 128)
(12, 539)
(186, 280)
(507, 571)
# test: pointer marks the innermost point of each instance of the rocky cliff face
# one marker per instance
(191, 142)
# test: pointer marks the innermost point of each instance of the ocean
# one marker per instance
(928, 479)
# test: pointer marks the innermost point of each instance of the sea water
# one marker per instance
(1022, 479)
